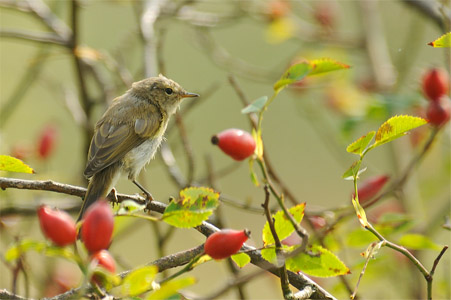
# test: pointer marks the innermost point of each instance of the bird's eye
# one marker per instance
(168, 91)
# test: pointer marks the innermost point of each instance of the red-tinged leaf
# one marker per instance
(442, 42)
(396, 127)
(12, 164)
(359, 146)
(324, 65)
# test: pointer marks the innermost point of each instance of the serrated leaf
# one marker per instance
(255, 106)
(139, 280)
(396, 127)
(294, 73)
(128, 206)
(282, 224)
(442, 42)
(241, 259)
(15, 251)
(269, 254)
(361, 143)
(418, 242)
(353, 171)
(12, 164)
(171, 287)
(323, 65)
(322, 264)
(193, 207)
(360, 212)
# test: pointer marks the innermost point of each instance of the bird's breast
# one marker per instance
(139, 156)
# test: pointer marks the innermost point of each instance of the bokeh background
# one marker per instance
(201, 45)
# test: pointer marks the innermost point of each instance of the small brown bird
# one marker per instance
(129, 133)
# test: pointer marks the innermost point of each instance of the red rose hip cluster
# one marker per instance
(435, 86)
(96, 231)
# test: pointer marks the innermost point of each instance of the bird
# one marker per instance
(128, 135)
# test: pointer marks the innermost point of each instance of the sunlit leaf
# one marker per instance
(324, 65)
(171, 288)
(255, 106)
(396, 127)
(322, 263)
(294, 73)
(442, 42)
(282, 224)
(257, 135)
(418, 242)
(12, 164)
(139, 280)
(193, 207)
(361, 143)
(269, 254)
(241, 259)
(353, 171)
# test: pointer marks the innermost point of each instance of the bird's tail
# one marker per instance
(99, 186)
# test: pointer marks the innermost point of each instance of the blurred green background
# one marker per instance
(305, 131)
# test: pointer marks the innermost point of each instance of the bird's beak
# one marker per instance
(189, 95)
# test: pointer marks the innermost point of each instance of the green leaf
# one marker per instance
(128, 206)
(241, 259)
(324, 65)
(195, 205)
(294, 73)
(269, 253)
(353, 171)
(107, 279)
(323, 263)
(255, 106)
(418, 242)
(396, 127)
(361, 143)
(170, 288)
(139, 281)
(12, 164)
(282, 224)
(442, 42)
(15, 251)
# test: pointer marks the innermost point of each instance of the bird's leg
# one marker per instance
(149, 197)
(113, 195)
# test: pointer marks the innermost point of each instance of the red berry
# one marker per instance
(438, 112)
(47, 140)
(435, 84)
(105, 260)
(370, 187)
(58, 226)
(225, 243)
(236, 143)
(102, 259)
(318, 222)
(98, 225)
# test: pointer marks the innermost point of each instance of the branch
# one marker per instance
(299, 281)
(431, 10)
(41, 37)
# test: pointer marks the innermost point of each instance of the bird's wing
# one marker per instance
(111, 142)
